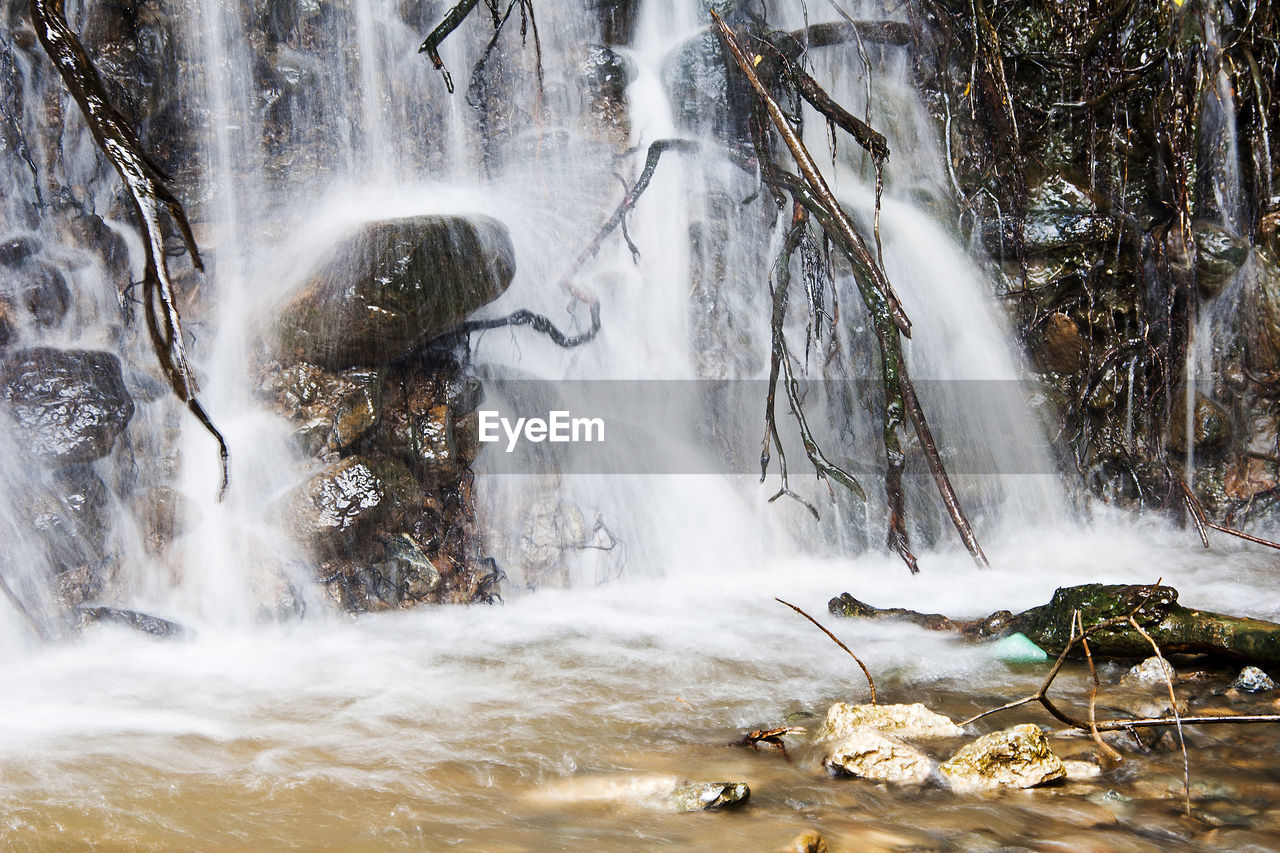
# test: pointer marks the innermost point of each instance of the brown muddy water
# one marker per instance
(495, 729)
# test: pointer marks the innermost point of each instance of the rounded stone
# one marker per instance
(68, 406)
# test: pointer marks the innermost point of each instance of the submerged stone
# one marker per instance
(870, 754)
(1253, 680)
(68, 406)
(1019, 757)
(659, 792)
(1153, 671)
(393, 286)
(709, 796)
(910, 721)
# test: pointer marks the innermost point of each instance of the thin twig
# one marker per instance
(1166, 670)
(870, 681)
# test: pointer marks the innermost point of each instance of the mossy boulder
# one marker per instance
(392, 286)
(1019, 757)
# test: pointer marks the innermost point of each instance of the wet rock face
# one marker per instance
(68, 406)
(1019, 757)
(389, 517)
(1260, 318)
(1211, 422)
(392, 287)
(431, 430)
(334, 502)
(1219, 255)
(70, 514)
(617, 19)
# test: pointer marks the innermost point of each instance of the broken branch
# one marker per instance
(870, 681)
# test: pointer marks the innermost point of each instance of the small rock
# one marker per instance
(1019, 757)
(907, 721)
(1151, 672)
(709, 796)
(1253, 680)
(332, 503)
(807, 842)
(1061, 348)
(144, 622)
(356, 413)
(1078, 771)
(870, 754)
(1211, 422)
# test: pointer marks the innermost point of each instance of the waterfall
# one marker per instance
(326, 126)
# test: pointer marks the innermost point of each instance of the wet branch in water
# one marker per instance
(888, 320)
(431, 45)
(870, 681)
(146, 183)
(458, 13)
(656, 150)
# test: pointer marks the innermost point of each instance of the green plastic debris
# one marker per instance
(1018, 648)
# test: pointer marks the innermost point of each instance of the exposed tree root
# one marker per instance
(431, 45)
(146, 183)
(537, 322)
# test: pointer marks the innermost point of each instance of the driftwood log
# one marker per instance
(1175, 628)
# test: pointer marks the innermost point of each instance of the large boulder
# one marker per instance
(1019, 757)
(393, 286)
(68, 406)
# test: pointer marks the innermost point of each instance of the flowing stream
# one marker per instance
(656, 640)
